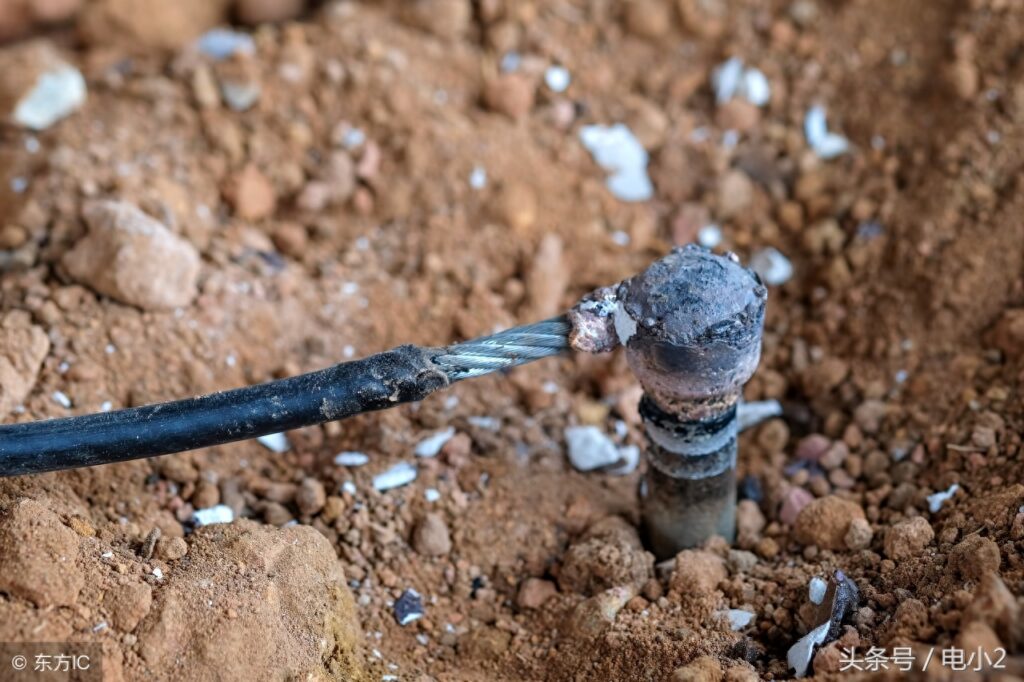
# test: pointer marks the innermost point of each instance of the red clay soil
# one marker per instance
(287, 243)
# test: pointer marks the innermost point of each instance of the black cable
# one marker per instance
(405, 374)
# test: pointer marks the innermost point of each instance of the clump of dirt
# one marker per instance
(364, 174)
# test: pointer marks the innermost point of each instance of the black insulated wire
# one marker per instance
(405, 374)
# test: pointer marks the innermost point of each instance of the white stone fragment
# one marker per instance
(773, 267)
(752, 414)
(739, 619)
(431, 494)
(400, 474)
(629, 456)
(732, 79)
(590, 448)
(62, 399)
(348, 487)
(275, 442)
(158, 573)
(56, 93)
(557, 78)
(478, 177)
(936, 500)
(431, 445)
(709, 236)
(617, 150)
(351, 459)
(800, 654)
(489, 423)
(827, 145)
(816, 590)
(220, 513)
(222, 43)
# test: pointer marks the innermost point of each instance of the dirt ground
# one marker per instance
(377, 173)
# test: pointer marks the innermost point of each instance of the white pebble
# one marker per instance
(827, 145)
(816, 590)
(557, 78)
(430, 446)
(936, 500)
(348, 487)
(431, 494)
(489, 423)
(56, 94)
(478, 178)
(275, 442)
(590, 448)
(220, 513)
(400, 474)
(221, 43)
(617, 150)
(773, 267)
(61, 398)
(629, 455)
(158, 573)
(732, 79)
(739, 619)
(351, 459)
(106, 406)
(709, 236)
(800, 654)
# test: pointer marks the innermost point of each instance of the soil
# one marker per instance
(471, 205)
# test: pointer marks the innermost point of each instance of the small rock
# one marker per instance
(908, 538)
(37, 87)
(276, 514)
(219, 514)
(697, 573)
(869, 415)
(511, 94)
(275, 442)
(739, 619)
(811, 448)
(409, 607)
(608, 554)
(617, 150)
(447, 19)
(1008, 334)
(936, 500)
(557, 78)
(351, 459)
(816, 590)
(149, 24)
(595, 615)
(793, 502)
(749, 523)
(735, 193)
(825, 522)
(254, 12)
(590, 449)
(222, 43)
(38, 556)
(548, 278)
(858, 535)
(773, 267)
(974, 557)
(534, 592)
(431, 445)
(23, 347)
(171, 549)
(431, 537)
(650, 19)
(827, 145)
(310, 497)
(250, 194)
(128, 604)
(134, 259)
(400, 474)
(701, 669)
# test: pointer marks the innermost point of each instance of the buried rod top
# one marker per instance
(691, 324)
